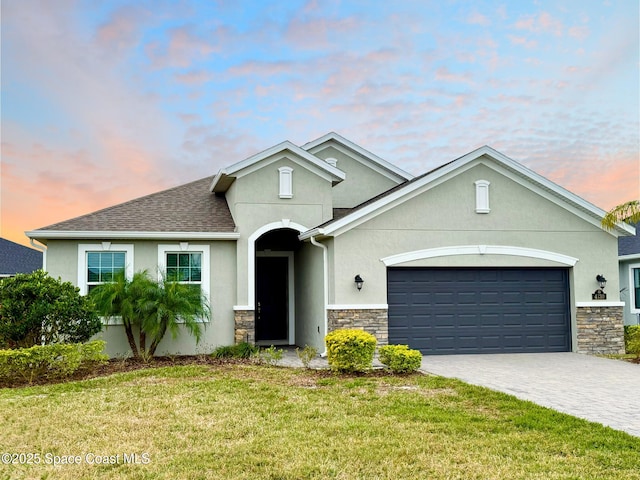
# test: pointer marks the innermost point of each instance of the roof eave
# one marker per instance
(128, 235)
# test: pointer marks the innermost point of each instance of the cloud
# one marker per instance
(478, 19)
(182, 48)
(541, 23)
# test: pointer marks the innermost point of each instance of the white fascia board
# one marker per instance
(530, 179)
(322, 173)
(126, 235)
(546, 184)
(631, 256)
(314, 232)
(311, 146)
(286, 145)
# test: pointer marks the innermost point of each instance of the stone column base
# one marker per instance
(245, 326)
(600, 330)
(373, 321)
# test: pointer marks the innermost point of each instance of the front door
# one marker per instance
(272, 299)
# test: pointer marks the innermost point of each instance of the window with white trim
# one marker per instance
(186, 263)
(100, 263)
(102, 267)
(634, 287)
(184, 267)
(286, 182)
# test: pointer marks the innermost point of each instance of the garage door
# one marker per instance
(479, 310)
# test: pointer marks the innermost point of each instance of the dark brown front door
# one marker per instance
(272, 303)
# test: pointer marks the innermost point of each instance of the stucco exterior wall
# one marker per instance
(256, 204)
(309, 297)
(219, 330)
(361, 182)
(445, 216)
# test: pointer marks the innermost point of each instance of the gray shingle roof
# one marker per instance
(186, 208)
(16, 258)
(629, 245)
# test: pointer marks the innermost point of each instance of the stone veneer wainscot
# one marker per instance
(245, 326)
(600, 330)
(373, 320)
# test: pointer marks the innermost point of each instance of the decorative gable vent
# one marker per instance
(286, 182)
(332, 161)
(482, 196)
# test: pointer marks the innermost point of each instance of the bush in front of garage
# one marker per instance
(350, 350)
(400, 358)
(632, 339)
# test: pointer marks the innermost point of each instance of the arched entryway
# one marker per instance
(275, 253)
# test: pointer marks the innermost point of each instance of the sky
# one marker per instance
(105, 101)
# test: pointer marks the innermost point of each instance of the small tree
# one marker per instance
(152, 308)
(38, 309)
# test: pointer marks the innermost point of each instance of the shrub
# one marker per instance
(307, 354)
(36, 309)
(632, 339)
(48, 362)
(400, 359)
(239, 350)
(271, 355)
(350, 350)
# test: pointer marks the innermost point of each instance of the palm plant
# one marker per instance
(628, 212)
(174, 304)
(151, 307)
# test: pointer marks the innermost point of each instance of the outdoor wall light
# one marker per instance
(599, 293)
(359, 281)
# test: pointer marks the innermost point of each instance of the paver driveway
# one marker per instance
(597, 389)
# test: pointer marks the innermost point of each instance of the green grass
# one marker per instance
(257, 422)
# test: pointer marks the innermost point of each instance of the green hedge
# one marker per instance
(49, 362)
(632, 339)
(400, 359)
(350, 350)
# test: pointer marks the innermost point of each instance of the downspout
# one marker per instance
(43, 249)
(325, 270)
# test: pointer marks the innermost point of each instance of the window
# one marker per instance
(286, 182)
(99, 263)
(184, 267)
(186, 263)
(634, 287)
(102, 267)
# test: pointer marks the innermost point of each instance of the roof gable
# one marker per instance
(364, 156)
(486, 155)
(226, 176)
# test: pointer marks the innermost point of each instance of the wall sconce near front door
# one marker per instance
(599, 293)
(359, 281)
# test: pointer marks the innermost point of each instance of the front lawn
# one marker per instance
(257, 422)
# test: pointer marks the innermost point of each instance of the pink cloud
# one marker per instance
(523, 41)
(444, 74)
(184, 47)
(321, 32)
(542, 22)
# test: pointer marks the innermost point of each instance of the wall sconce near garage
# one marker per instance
(359, 281)
(599, 293)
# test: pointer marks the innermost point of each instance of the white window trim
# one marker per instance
(285, 174)
(84, 248)
(183, 247)
(482, 196)
(632, 290)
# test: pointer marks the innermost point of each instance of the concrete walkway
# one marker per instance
(596, 389)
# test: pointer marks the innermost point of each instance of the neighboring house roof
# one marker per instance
(407, 190)
(16, 258)
(189, 210)
(629, 247)
(226, 176)
(372, 159)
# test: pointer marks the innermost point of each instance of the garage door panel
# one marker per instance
(444, 310)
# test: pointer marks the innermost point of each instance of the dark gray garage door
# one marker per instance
(479, 310)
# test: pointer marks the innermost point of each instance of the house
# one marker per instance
(480, 255)
(629, 263)
(16, 258)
